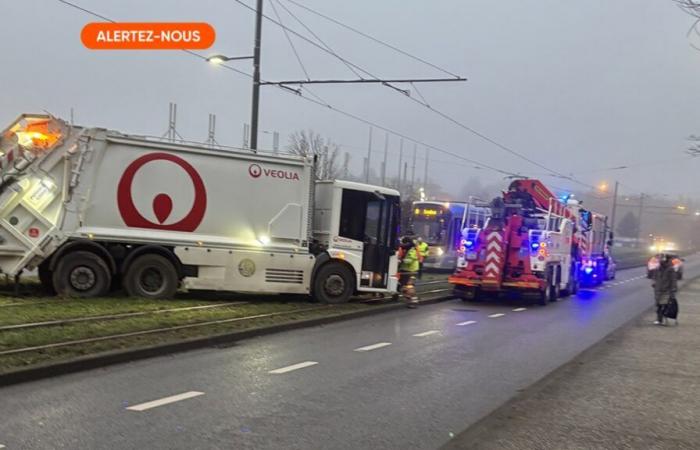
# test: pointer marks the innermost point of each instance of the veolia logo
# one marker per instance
(162, 203)
(255, 171)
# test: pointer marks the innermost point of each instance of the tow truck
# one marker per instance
(533, 243)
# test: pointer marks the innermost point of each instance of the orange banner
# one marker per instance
(148, 36)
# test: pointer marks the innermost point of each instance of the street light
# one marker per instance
(220, 59)
(603, 187)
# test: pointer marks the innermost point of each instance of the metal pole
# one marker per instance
(405, 173)
(256, 78)
(425, 174)
(369, 156)
(614, 208)
(639, 220)
(386, 156)
(400, 163)
(413, 170)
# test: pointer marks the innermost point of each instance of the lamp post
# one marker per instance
(613, 212)
(255, 103)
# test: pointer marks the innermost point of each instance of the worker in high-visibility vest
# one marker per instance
(409, 265)
(422, 248)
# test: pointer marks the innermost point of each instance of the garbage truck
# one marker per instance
(95, 210)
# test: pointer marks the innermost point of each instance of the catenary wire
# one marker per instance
(372, 38)
(436, 111)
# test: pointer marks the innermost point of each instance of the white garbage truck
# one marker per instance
(95, 210)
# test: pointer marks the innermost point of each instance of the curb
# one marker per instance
(121, 356)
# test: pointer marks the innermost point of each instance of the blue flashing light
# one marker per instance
(469, 243)
(588, 270)
(535, 245)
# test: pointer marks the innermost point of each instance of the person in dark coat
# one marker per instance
(665, 286)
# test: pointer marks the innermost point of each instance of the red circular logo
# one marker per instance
(255, 170)
(162, 203)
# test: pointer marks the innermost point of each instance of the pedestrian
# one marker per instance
(422, 248)
(408, 267)
(665, 286)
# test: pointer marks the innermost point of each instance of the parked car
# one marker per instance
(655, 261)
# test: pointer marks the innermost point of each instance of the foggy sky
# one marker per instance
(579, 86)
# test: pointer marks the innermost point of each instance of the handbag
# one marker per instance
(671, 309)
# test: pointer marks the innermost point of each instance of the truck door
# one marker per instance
(379, 218)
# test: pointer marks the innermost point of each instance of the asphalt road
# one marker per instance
(420, 377)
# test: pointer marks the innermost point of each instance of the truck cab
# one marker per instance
(356, 226)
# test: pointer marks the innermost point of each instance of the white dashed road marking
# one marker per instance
(519, 309)
(468, 322)
(426, 333)
(368, 348)
(293, 367)
(496, 316)
(165, 401)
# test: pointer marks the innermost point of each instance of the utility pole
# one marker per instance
(346, 166)
(425, 174)
(405, 173)
(211, 133)
(413, 170)
(369, 156)
(400, 163)
(254, 114)
(276, 142)
(639, 220)
(386, 156)
(614, 208)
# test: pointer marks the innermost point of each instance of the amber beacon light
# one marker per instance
(148, 36)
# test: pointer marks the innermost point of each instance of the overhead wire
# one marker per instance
(372, 38)
(325, 104)
(289, 39)
(436, 111)
(352, 69)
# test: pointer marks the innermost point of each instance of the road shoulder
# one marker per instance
(637, 388)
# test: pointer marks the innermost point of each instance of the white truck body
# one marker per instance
(243, 220)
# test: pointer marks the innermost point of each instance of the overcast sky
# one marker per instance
(577, 86)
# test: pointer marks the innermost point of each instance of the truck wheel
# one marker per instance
(554, 293)
(333, 284)
(45, 277)
(151, 276)
(467, 294)
(544, 295)
(81, 274)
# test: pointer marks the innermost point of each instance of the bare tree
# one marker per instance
(692, 7)
(310, 143)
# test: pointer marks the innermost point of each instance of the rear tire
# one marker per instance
(81, 274)
(45, 278)
(467, 294)
(151, 276)
(333, 284)
(544, 295)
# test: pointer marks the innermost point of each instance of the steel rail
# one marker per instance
(21, 326)
(152, 331)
